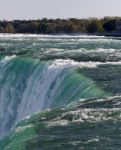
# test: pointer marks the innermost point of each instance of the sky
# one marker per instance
(38, 9)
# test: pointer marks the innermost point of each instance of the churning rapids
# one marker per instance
(80, 76)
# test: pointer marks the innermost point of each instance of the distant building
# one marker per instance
(118, 26)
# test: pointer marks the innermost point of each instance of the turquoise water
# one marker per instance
(81, 74)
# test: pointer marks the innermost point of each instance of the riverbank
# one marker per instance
(61, 26)
(108, 34)
(113, 34)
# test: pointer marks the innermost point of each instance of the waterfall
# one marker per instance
(29, 85)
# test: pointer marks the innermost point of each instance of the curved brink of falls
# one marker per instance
(29, 85)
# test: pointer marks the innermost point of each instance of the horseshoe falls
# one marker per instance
(60, 92)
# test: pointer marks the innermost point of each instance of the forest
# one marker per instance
(60, 26)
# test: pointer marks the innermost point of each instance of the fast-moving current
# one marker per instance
(39, 72)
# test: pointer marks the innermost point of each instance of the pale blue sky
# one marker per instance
(37, 9)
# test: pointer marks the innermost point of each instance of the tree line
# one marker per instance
(60, 26)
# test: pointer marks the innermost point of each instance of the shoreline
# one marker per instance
(108, 34)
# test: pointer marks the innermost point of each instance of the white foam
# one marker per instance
(58, 122)
(43, 35)
(68, 63)
(6, 59)
(20, 129)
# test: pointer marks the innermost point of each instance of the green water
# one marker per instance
(77, 77)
